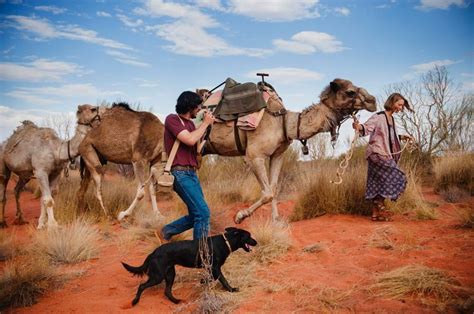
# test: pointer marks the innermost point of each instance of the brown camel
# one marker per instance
(278, 128)
(34, 152)
(124, 136)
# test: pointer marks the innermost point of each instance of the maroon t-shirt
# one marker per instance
(186, 155)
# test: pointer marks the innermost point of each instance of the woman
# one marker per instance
(384, 178)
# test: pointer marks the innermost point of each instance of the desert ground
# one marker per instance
(331, 263)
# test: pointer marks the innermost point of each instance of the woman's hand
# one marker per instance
(356, 125)
(406, 138)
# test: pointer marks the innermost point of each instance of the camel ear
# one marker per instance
(335, 86)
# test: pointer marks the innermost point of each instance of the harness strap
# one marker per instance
(227, 242)
(237, 139)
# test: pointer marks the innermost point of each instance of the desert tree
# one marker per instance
(442, 117)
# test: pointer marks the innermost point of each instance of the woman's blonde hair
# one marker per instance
(392, 99)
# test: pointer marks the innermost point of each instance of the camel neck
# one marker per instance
(70, 149)
(314, 119)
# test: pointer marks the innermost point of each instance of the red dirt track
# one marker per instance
(347, 262)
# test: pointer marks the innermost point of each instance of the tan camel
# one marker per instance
(278, 128)
(34, 152)
(124, 136)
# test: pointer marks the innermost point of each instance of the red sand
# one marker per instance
(347, 263)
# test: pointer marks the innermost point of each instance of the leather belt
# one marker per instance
(183, 168)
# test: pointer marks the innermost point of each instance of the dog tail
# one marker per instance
(139, 270)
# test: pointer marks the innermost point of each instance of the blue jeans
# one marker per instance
(187, 186)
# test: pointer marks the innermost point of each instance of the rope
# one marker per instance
(409, 144)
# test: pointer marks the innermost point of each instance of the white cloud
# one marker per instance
(288, 76)
(343, 11)
(129, 22)
(45, 30)
(11, 118)
(103, 14)
(309, 42)
(188, 33)
(425, 67)
(468, 86)
(188, 39)
(211, 4)
(38, 70)
(60, 94)
(52, 9)
(126, 59)
(440, 4)
(282, 10)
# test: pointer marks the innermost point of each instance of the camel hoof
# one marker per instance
(20, 222)
(52, 225)
(3, 225)
(239, 217)
(121, 216)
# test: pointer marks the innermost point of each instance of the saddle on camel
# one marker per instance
(239, 104)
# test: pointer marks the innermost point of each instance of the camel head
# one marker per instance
(87, 114)
(342, 96)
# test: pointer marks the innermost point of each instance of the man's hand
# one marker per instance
(208, 118)
(406, 138)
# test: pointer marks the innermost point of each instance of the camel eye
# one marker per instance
(94, 109)
(351, 93)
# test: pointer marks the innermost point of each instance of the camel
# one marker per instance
(124, 136)
(278, 128)
(35, 152)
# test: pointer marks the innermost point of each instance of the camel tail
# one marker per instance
(139, 270)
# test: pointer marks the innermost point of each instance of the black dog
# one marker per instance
(160, 264)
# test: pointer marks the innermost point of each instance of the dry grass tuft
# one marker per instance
(465, 217)
(411, 201)
(117, 196)
(317, 299)
(453, 194)
(21, 283)
(381, 238)
(318, 196)
(274, 239)
(71, 243)
(227, 180)
(8, 247)
(455, 170)
(417, 281)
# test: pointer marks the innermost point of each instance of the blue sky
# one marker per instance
(55, 55)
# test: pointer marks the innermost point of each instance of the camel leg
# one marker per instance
(97, 177)
(260, 171)
(94, 168)
(18, 189)
(139, 169)
(47, 202)
(85, 180)
(4, 177)
(276, 163)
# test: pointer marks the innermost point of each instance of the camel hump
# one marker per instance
(122, 105)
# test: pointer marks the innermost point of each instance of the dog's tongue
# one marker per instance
(248, 247)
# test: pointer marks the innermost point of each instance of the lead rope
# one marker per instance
(409, 144)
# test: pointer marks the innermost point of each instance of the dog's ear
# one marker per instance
(231, 229)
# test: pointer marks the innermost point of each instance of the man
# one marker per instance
(186, 183)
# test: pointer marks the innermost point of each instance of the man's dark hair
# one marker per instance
(187, 101)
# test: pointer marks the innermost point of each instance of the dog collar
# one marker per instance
(227, 242)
